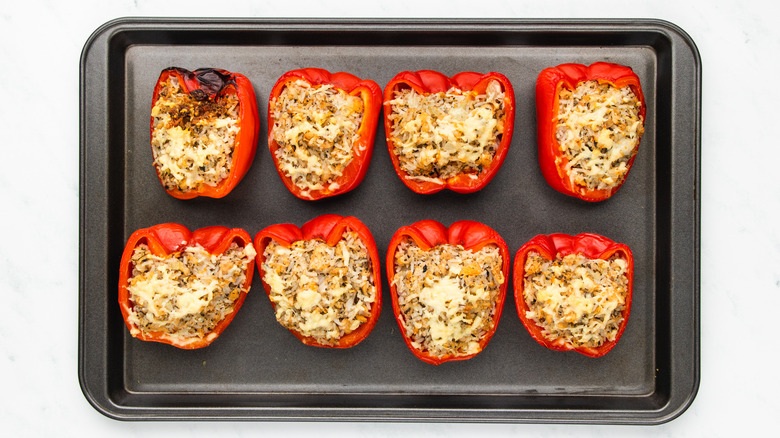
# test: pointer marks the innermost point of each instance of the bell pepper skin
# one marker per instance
(590, 245)
(169, 238)
(552, 160)
(329, 228)
(428, 234)
(362, 149)
(428, 82)
(212, 82)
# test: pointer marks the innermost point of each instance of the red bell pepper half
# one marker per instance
(362, 148)
(428, 234)
(552, 160)
(166, 239)
(329, 228)
(430, 82)
(206, 84)
(590, 245)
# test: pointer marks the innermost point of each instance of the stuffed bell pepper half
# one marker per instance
(184, 288)
(574, 292)
(448, 132)
(323, 279)
(204, 131)
(590, 121)
(448, 287)
(322, 127)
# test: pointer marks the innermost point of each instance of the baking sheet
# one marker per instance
(257, 370)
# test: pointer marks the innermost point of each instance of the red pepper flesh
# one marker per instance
(428, 234)
(362, 148)
(589, 245)
(428, 82)
(552, 160)
(210, 82)
(329, 228)
(166, 239)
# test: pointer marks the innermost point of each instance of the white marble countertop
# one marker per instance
(40, 45)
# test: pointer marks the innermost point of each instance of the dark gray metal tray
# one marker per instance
(257, 370)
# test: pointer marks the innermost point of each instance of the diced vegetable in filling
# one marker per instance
(447, 296)
(437, 136)
(315, 128)
(193, 136)
(321, 291)
(598, 129)
(186, 294)
(575, 298)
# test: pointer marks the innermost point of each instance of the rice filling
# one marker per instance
(193, 136)
(447, 296)
(315, 128)
(575, 298)
(441, 135)
(187, 293)
(598, 130)
(321, 291)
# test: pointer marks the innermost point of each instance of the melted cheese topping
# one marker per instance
(193, 139)
(598, 130)
(315, 128)
(321, 291)
(440, 135)
(575, 298)
(447, 296)
(184, 295)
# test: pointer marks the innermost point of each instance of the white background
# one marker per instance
(40, 45)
